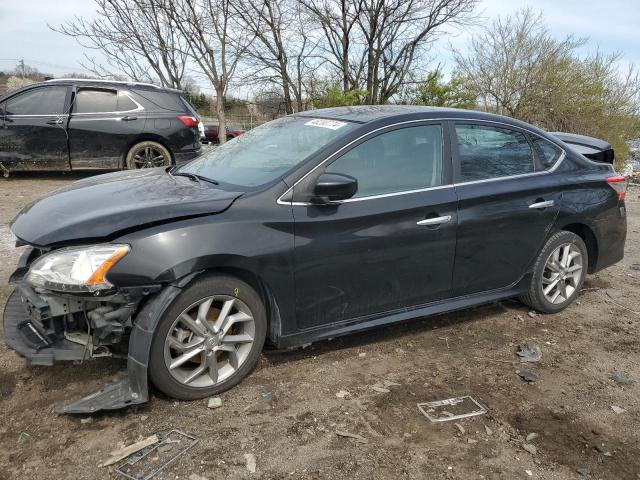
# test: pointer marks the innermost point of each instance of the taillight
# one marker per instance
(619, 184)
(188, 120)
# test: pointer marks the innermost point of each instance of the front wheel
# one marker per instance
(209, 339)
(558, 274)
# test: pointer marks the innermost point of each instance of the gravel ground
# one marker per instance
(472, 352)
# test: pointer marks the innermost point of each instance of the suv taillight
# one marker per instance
(619, 184)
(188, 120)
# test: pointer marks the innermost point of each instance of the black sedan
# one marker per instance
(312, 226)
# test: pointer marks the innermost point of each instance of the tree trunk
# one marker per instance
(222, 130)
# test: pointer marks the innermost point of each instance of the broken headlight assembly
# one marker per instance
(76, 269)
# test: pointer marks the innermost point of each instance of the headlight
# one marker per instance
(81, 269)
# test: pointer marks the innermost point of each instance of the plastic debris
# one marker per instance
(251, 462)
(488, 431)
(583, 472)
(529, 352)
(214, 402)
(342, 394)
(617, 409)
(528, 376)
(621, 378)
(355, 436)
(532, 436)
(460, 428)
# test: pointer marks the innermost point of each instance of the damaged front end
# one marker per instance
(46, 322)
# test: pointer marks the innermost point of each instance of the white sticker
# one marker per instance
(323, 123)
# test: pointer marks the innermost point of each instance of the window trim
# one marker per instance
(455, 152)
(448, 123)
(114, 112)
(37, 115)
(444, 173)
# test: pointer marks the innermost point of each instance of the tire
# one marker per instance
(146, 155)
(167, 352)
(546, 272)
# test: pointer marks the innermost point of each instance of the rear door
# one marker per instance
(507, 204)
(33, 134)
(392, 245)
(104, 122)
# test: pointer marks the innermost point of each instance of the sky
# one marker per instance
(611, 25)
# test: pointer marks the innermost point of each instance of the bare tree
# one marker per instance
(283, 50)
(136, 37)
(374, 44)
(217, 43)
(511, 63)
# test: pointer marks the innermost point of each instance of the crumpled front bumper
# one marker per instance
(23, 333)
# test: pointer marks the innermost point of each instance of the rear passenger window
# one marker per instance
(548, 154)
(492, 152)
(96, 101)
(396, 161)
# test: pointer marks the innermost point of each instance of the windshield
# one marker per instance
(266, 152)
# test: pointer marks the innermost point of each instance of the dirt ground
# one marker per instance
(466, 353)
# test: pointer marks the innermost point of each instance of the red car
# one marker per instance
(211, 133)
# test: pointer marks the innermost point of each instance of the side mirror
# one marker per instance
(331, 187)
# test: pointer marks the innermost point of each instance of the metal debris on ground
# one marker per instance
(156, 456)
(461, 407)
(529, 352)
(583, 472)
(635, 266)
(355, 436)
(528, 376)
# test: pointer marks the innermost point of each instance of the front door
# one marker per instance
(389, 247)
(507, 204)
(34, 129)
(103, 125)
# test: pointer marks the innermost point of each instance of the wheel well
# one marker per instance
(589, 239)
(146, 138)
(268, 299)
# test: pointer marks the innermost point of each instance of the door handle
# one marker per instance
(129, 118)
(541, 205)
(435, 221)
(55, 121)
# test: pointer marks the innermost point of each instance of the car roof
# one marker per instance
(370, 113)
(96, 82)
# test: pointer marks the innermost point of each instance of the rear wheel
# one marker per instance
(148, 154)
(209, 339)
(558, 274)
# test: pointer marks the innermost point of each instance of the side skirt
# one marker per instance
(360, 324)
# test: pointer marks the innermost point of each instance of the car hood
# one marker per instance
(102, 206)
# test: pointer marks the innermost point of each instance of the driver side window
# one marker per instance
(397, 161)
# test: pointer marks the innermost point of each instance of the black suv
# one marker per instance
(70, 124)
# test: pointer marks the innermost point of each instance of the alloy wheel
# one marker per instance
(148, 157)
(562, 273)
(209, 341)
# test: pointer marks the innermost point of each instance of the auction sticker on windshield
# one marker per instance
(321, 122)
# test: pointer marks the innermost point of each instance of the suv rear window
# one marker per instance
(96, 101)
(161, 100)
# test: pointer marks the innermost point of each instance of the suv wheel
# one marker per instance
(558, 274)
(148, 154)
(209, 339)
